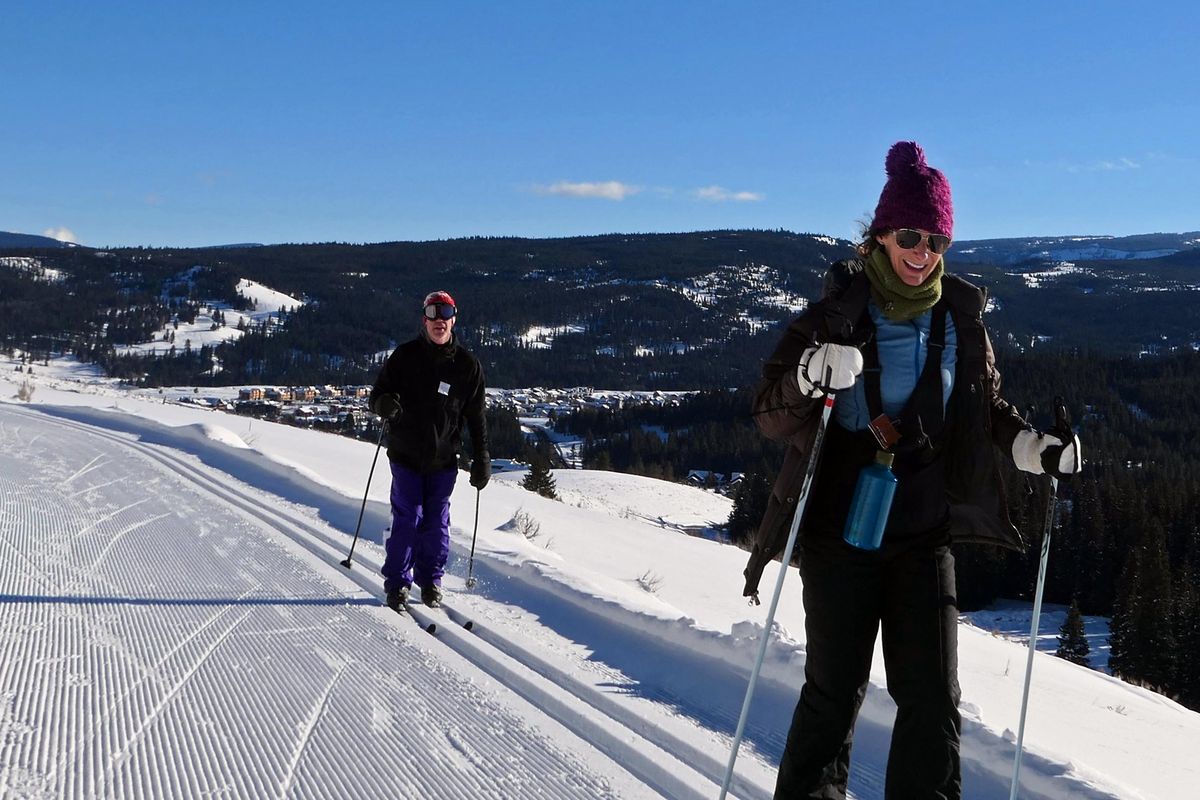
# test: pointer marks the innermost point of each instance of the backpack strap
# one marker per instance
(846, 294)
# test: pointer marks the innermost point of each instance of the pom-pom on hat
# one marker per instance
(443, 298)
(916, 195)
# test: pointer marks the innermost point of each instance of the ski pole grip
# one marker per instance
(1062, 420)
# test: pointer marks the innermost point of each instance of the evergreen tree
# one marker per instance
(1096, 557)
(1142, 631)
(602, 460)
(1187, 638)
(749, 505)
(1072, 642)
(539, 478)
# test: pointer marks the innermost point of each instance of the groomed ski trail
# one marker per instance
(662, 764)
(203, 658)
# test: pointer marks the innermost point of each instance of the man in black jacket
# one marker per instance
(425, 390)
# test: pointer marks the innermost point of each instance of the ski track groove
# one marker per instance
(107, 517)
(208, 695)
(37, 571)
(93, 487)
(519, 670)
(25, 535)
(306, 732)
(104, 716)
(123, 754)
(702, 762)
(86, 468)
(121, 533)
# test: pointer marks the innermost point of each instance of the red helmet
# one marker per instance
(443, 298)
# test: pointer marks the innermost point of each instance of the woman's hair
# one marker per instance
(869, 244)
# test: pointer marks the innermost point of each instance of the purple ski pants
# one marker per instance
(418, 543)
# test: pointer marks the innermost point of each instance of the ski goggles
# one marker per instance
(440, 311)
(908, 239)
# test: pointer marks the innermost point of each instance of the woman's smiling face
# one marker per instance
(913, 264)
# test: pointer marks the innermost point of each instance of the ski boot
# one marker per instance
(431, 596)
(397, 598)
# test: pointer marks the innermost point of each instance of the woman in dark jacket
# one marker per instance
(903, 345)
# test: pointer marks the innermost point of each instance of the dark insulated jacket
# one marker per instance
(978, 420)
(438, 387)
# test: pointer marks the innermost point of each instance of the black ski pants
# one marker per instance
(848, 595)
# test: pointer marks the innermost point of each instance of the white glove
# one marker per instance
(1044, 453)
(828, 368)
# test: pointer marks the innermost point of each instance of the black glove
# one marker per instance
(481, 470)
(387, 405)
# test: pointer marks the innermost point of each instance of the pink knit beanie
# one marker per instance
(916, 195)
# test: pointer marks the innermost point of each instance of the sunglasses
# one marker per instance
(908, 239)
(440, 311)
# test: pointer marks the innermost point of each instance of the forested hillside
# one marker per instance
(630, 311)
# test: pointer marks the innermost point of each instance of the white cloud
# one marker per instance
(605, 190)
(1121, 164)
(719, 194)
(62, 234)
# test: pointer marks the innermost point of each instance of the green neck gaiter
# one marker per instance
(898, 301)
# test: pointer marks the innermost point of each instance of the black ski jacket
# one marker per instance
(978, 420)
(438, 387)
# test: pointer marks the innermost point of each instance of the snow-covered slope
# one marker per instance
(1073, 248)
(206, 330)
(175, 625)
(667, 504)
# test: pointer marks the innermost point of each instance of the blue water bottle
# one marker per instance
(871, 504)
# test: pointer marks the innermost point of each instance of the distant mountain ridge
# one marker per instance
(1073, 248)
(22, 240)
(1004, 251)
(630, 311)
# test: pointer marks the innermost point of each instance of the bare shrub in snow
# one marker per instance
(650, 581)
(25, 391)
(524, 524)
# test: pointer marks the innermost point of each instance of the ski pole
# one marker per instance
(471, 560)
(1033, 633)
(1062, 429)
(347, 562)
(809, 471)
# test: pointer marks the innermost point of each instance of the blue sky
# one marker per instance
(219, 122)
